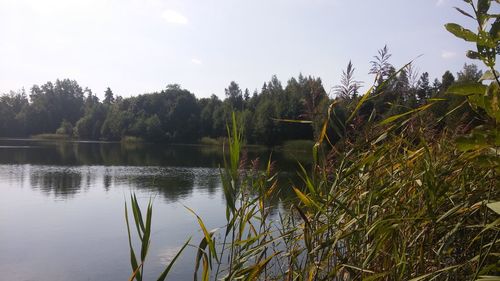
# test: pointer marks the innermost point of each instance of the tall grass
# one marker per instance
(402, 203)
(399, 209)
(143, 228)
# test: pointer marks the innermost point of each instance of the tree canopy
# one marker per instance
(277, 113)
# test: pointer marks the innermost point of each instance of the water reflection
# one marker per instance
(27, 151)
(61, 169)
(171, 184)
(61, 183)
(71, 195)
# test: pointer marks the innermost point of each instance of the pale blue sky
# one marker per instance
(138, 46)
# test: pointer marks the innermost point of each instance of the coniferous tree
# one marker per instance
(446, 81)
(424, 90)
(469, 73)
(234, 96)
(108, 96)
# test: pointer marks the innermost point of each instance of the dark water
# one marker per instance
(62, 205)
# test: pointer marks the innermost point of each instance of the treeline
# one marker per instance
(269, 116)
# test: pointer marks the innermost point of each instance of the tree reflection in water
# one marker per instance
(61, 183)
(173, 172)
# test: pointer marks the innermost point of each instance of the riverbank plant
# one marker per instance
(51, 137)
(394, 199)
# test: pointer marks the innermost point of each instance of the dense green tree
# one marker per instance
(176, 115)
(183, 116)
(65, 129)
(117, 121)
(11, 119)
(402, 88)
(220, 119)
(246, 95)
(469, 73)
(440, 87)
(462, 115)
(234, 96)
(90, 101)
(446, 81)
(264, 126)
(154, 129)
(208, 110)
(89, 126)
(247, 121)
(53, 103)
(424, 90)
(108, 96)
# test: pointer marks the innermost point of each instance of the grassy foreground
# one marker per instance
(395, 202)
(394, 210)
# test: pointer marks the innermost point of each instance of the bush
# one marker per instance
(65, 129)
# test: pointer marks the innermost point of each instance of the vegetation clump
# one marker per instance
(394, 193)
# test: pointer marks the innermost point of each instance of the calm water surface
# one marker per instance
(62, 205)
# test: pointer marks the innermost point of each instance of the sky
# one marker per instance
(140, 46)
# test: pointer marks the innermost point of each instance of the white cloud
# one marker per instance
(448, 55)
(174, 17)
(196, 61)
(440, 2)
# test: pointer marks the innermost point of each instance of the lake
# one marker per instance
(62, 205)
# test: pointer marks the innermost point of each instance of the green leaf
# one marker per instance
(461, 32)
(208, 234)
(480, 137)
(483, 6)
(395, 117)
(467, 89)
(495, 29)
(133, 259)
(488, 76)
(205, 276)
(377, 276)
(258, 268)
(292, 121)
(304, 198)
(201, 253)
(136, 210)
(471, 143)
(495, 207)
(472, 55)
(482, 11)
(486, 42)
(488, 161)
(492, 101)
(147, 232)
(476, 101)
(435, 273)
(463, 12)
(488, 278)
